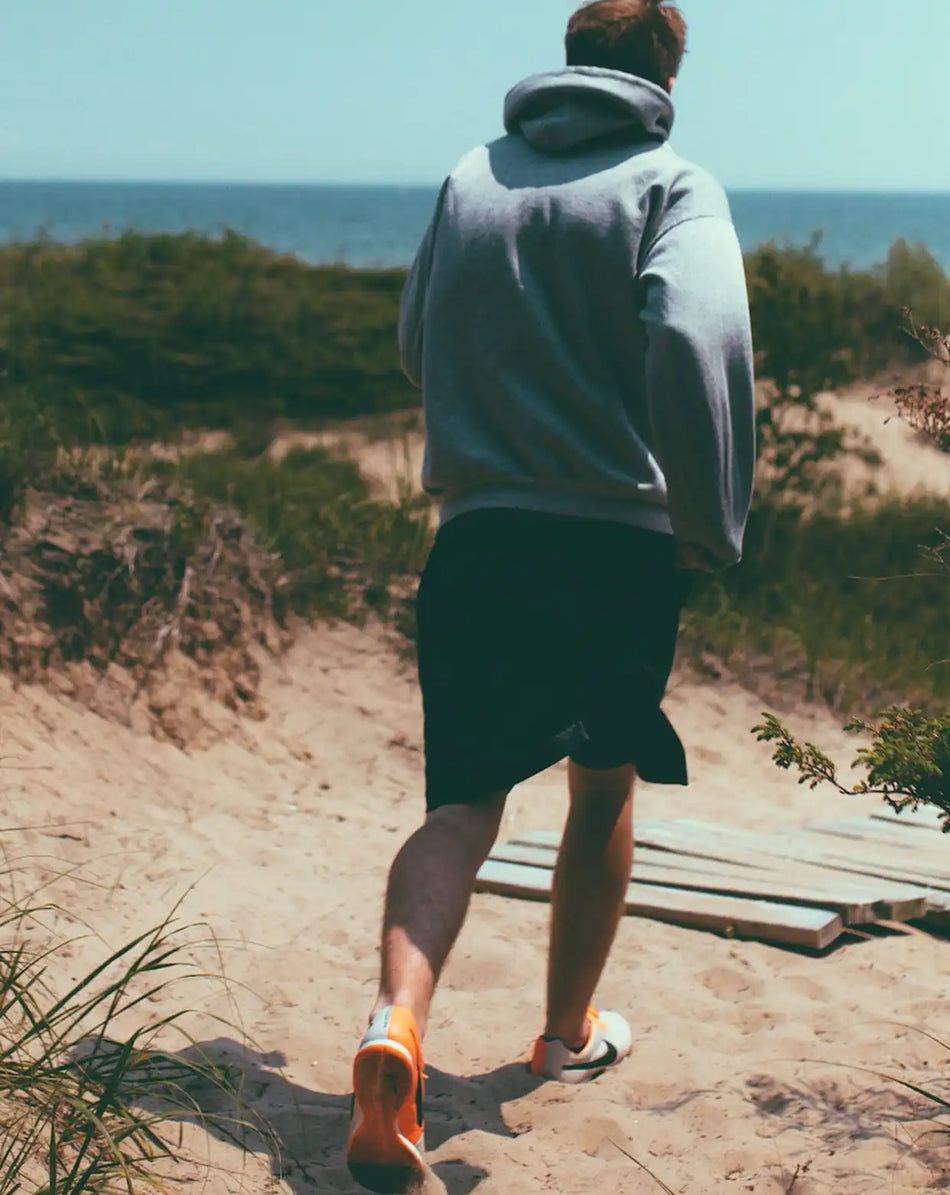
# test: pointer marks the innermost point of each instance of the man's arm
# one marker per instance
(699, 386)
(412, 307)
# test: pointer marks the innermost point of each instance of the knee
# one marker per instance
(476, 824)
(597, 788)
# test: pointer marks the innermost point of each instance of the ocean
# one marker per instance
(381, 225)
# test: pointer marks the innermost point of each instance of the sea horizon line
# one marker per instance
(345, 185)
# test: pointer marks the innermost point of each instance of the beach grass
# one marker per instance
(71, 1081)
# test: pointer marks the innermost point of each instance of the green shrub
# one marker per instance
(908, 760)
(913, 278)
(28, 440)
(848, 607)
(161, 332)
(817, 329)
(907, 763)
(143, 336)
(343, 551)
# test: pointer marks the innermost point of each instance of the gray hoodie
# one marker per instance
(577, 319)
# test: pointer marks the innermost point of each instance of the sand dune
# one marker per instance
(747, 1073)
(278, 839)
(909, 464)
(389, 449)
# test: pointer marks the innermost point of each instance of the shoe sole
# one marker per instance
(379, 1157)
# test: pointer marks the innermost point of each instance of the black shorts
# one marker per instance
(543, 636)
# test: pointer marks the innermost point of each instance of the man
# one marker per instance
(577, 320)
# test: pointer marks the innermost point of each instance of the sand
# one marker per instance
(390, 449)
(747, 1074)
(910, 465)
(277, 839)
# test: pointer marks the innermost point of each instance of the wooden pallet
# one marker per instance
(792, 846)
(857, 901)
(800, 886)
(925, 817)
(758, 919)
(772, 855)
(910, 844)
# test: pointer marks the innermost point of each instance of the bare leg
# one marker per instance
(430, 886)
(590, 882)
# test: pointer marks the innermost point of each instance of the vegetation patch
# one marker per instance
(127, 575)
(153, 591)
(851, 611)
(85, 1104)
(135, 600)
(141, 336)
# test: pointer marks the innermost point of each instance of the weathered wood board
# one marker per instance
(717, 842)
(856, 903)
(908, 843)
(788, 925)
(925, 817)
(849, 871)
(675, 845)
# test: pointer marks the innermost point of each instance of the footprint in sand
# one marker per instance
(754, 1018)
(595, 1135)
(808, 988)
(725, 983)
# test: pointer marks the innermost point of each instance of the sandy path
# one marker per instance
(278, 839)
(390, 449)
(909, 463)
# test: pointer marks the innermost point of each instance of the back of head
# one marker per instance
(646, 38)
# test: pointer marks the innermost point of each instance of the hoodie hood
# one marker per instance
(562, 110)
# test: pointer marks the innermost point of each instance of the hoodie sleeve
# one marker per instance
(699, 383)
(413, 304)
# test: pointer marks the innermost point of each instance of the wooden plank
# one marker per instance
(890, 900)
(718, 842)
(548, 843)
(690, 837)
(925, 817)
(854, 905)
(920, 850)
(787, 925)
(928, 865)
(757, 863)
(914, 842)
(548, 838)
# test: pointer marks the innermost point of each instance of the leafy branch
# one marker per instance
(907, 763)
(923, 405)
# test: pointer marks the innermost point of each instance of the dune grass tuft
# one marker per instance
(67, 1073)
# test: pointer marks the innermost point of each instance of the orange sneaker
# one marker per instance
(609, 1042)
(387, 1135)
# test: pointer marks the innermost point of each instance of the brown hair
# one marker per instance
(640, 37)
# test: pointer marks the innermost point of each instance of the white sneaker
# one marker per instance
(608, 1044)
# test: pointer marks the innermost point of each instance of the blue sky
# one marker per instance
(813, 94)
